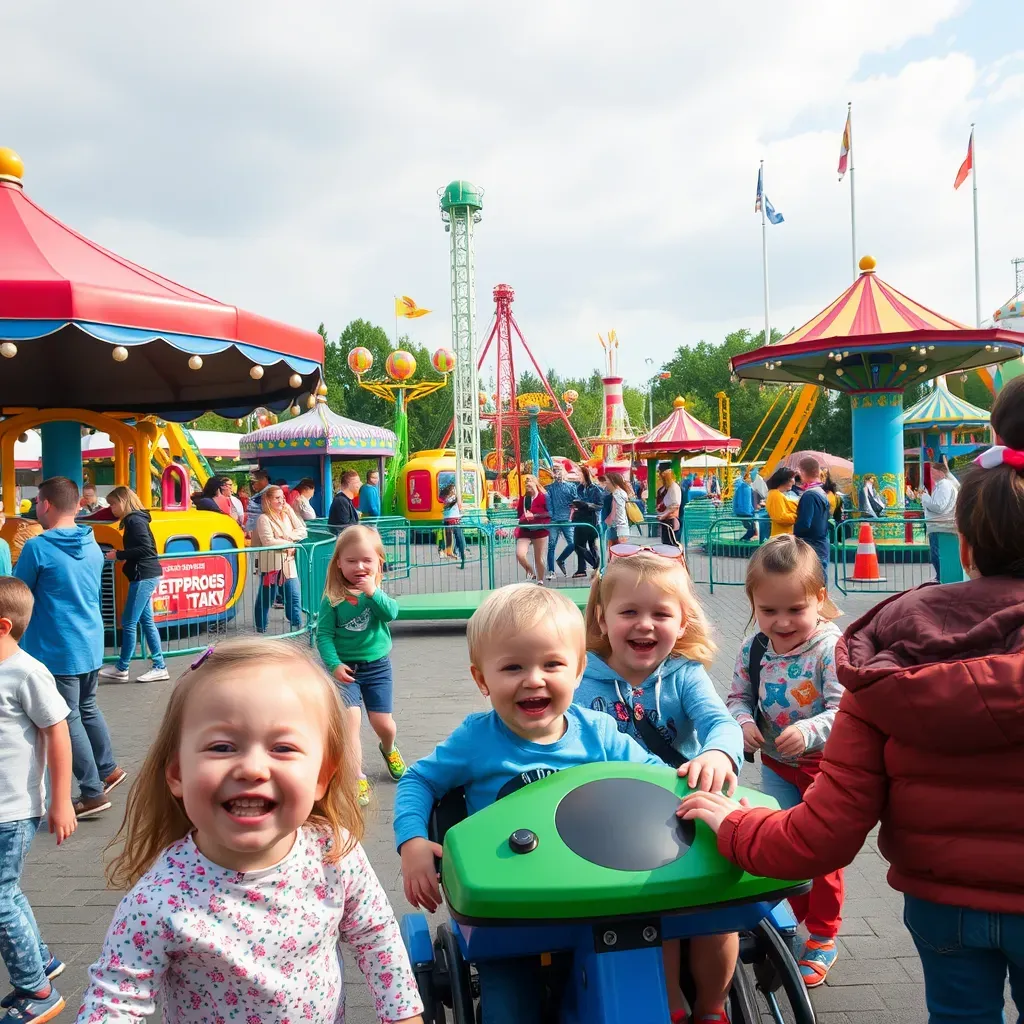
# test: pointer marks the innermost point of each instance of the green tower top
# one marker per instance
(462, 194)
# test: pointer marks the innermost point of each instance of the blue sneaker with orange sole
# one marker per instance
(24, 1006)
(816, 960)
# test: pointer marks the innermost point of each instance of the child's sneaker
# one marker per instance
(26, 1007)
(394, 761)
(817, 958)
(53, 967)
(363, 796)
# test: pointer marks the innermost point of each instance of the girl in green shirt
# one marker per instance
(354, 641)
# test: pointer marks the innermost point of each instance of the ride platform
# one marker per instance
(460, 604)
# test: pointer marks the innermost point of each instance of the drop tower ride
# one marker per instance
(461, 203)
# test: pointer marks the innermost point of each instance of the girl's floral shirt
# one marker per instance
(255, 947)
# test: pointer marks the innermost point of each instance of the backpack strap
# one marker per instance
(656, 743)
(758, 647)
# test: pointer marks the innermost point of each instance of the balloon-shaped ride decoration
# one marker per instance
(400, 365)
(570, 396)
(443, 360)
(360, 361)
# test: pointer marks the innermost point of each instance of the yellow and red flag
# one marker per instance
(844, 149)
(967, 166)
(404, 306)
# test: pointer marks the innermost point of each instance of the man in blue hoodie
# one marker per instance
(63, 568)
(561, 494)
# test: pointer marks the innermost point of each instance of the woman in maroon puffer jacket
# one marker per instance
(929, 740)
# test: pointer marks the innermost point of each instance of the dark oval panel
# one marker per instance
(625, 824)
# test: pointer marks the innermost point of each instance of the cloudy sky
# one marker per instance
(287, 157)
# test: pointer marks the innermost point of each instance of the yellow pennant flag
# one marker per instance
(404, 306)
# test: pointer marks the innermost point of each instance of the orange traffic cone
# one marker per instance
(865, 566)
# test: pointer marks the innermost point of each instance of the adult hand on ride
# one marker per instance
(711, 808)
(344, 674)
(791, 742)
(712, 771)
(419, 873)
(110, 554)
(752, 738)
(62, 819)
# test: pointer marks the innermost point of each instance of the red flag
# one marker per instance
(967, 165)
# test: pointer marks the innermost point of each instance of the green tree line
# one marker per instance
(696, 373)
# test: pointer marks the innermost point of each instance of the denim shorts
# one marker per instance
(373, 686)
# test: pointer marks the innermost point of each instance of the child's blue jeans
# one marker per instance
(966, 955)
(21, 946)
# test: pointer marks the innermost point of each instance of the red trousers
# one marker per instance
(821, 910)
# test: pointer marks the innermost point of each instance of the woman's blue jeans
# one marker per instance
(265, 598)
(138, 608)
(966, 956)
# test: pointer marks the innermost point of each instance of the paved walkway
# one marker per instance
(876, 981)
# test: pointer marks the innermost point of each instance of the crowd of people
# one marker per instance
(241, 839)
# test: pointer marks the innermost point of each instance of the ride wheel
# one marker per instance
(775, 971)
(455, 989)
(743, 1007)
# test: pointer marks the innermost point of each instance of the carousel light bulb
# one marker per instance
(295, 381)
(922, 368)
(311, 401)
(903, 367)
(195, 363)
(963, 376)
(120, 354)
(23, 438)
(821, 376)
(256, 372)
(322, 390)
(931, 348)
(294, 410)
(8, 350)
(846, 353)
(831, 355)
(839, 372)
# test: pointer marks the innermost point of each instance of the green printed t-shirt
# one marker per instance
(355, 629)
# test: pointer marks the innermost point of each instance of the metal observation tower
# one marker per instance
(461, 203)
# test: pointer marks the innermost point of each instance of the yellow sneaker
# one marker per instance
(394, 761)
(363, 796)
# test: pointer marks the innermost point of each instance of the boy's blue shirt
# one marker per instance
(680, 701)
(490, 761)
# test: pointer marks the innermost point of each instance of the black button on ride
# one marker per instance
(522, 841)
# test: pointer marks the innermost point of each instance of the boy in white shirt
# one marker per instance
(33, 735)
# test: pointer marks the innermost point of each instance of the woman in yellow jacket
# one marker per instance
(781, 503)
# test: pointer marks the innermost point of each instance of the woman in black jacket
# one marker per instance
(585, 510)
(141, 568)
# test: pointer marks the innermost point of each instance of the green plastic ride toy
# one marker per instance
(591, 865)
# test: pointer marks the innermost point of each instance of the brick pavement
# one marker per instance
(877, 978)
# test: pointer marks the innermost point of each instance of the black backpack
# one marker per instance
(758, 647)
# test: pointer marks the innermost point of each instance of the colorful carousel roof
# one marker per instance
(67, 305)
(320, 432)
(942, 410)
(875, 338)
(1012, 310)
(681, 432)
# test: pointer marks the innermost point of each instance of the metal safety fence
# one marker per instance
(894, 555)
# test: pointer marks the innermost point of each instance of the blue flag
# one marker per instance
(769, 210)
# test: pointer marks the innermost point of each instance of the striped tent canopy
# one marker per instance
(942, 410)
(319, 432)
(681, 432)
(1012, 310)
(875, 338)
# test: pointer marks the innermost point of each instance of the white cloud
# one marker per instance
(287, 157)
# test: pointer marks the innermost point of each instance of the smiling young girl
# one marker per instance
(788, 713)
(354, 641)
(240, 847)
(649, 647)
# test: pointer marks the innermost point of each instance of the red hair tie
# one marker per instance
(1000, 455)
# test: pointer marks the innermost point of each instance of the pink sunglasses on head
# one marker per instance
(663, 550)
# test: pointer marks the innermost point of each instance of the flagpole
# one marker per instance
(977, 258)
(764, 256)
(396, 321)
(853, 201)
